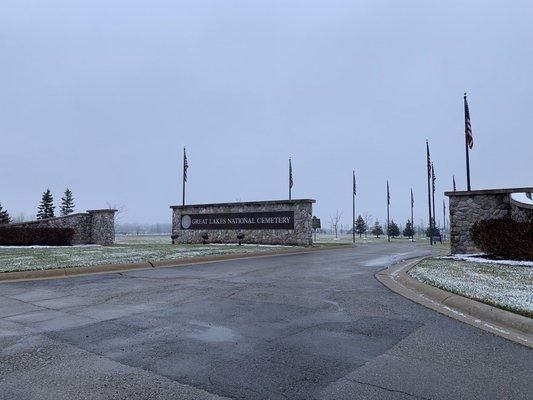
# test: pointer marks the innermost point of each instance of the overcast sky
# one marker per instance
(101, 96)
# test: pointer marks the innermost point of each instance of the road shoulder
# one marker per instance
(111, 268)
(491, 319)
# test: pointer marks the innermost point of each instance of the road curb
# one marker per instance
(503, 323)
(111, 268)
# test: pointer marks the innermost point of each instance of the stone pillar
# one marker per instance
(102, 226)
(468, 207)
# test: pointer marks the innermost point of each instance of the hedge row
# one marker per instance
(17, 236)
(504, 238)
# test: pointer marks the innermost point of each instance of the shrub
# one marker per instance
(19, 236)
(504, 238)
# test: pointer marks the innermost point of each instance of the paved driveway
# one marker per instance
(305, 326)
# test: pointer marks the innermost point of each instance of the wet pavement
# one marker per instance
(316, 325)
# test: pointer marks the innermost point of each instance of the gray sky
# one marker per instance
(101, 96)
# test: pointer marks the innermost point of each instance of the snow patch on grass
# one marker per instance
(129, 249)
(509, 287)
(478, 258)
(49, 247)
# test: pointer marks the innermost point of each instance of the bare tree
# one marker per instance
(20, 217)
(345, 228)
(367, 217)
(334, 223)
(121, 210)
(143, 229)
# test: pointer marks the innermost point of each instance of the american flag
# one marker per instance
(468, 126)
(412, 199)
(185, 165)
(428, 158)
(354, 185)
(454, 187)
(388, 194)
(433, 177)
(291, 182)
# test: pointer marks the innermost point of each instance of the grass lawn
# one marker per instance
(323, 238)
(509, 287)
(140, 248)
(127, 249)
(438, 245)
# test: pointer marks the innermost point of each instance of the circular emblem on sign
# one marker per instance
(186, 222)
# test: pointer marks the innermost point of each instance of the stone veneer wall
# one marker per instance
(521, 212)
(468, 207)
(91, 227)
(300, 235)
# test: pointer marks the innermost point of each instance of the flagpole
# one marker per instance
(184, 172)
(412, 221)
(433, 196)
(467, 153)
(428, 167)
(353, 208)
(388, 212)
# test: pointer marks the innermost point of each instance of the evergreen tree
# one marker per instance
(4, 216)
(67, 203)
(393, 229)
(377, 229)
(360, 226)
(408, 231)
(46, 208)
(435, 232)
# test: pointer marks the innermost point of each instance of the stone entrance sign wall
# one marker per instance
(91, 227)
(468, 207)
(287, 222)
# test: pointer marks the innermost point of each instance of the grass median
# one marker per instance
(509, 287)
(127, 249)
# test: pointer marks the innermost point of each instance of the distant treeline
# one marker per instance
(143, 229)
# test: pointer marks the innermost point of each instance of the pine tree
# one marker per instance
(67, 203)
(408, 231)
(435, 231)
(4, 216)
(46, 208)
(360, 226)
(377, 229)
(393, 229)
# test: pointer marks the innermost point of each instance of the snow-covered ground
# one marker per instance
(326, 238)
(128, 249)
(505, 286)
(480, 259)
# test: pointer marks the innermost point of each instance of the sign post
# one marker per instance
(316, 225)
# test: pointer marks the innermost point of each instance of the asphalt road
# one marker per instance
(304, 326)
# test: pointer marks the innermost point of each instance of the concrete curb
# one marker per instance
(110, 268)
(483, 316)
